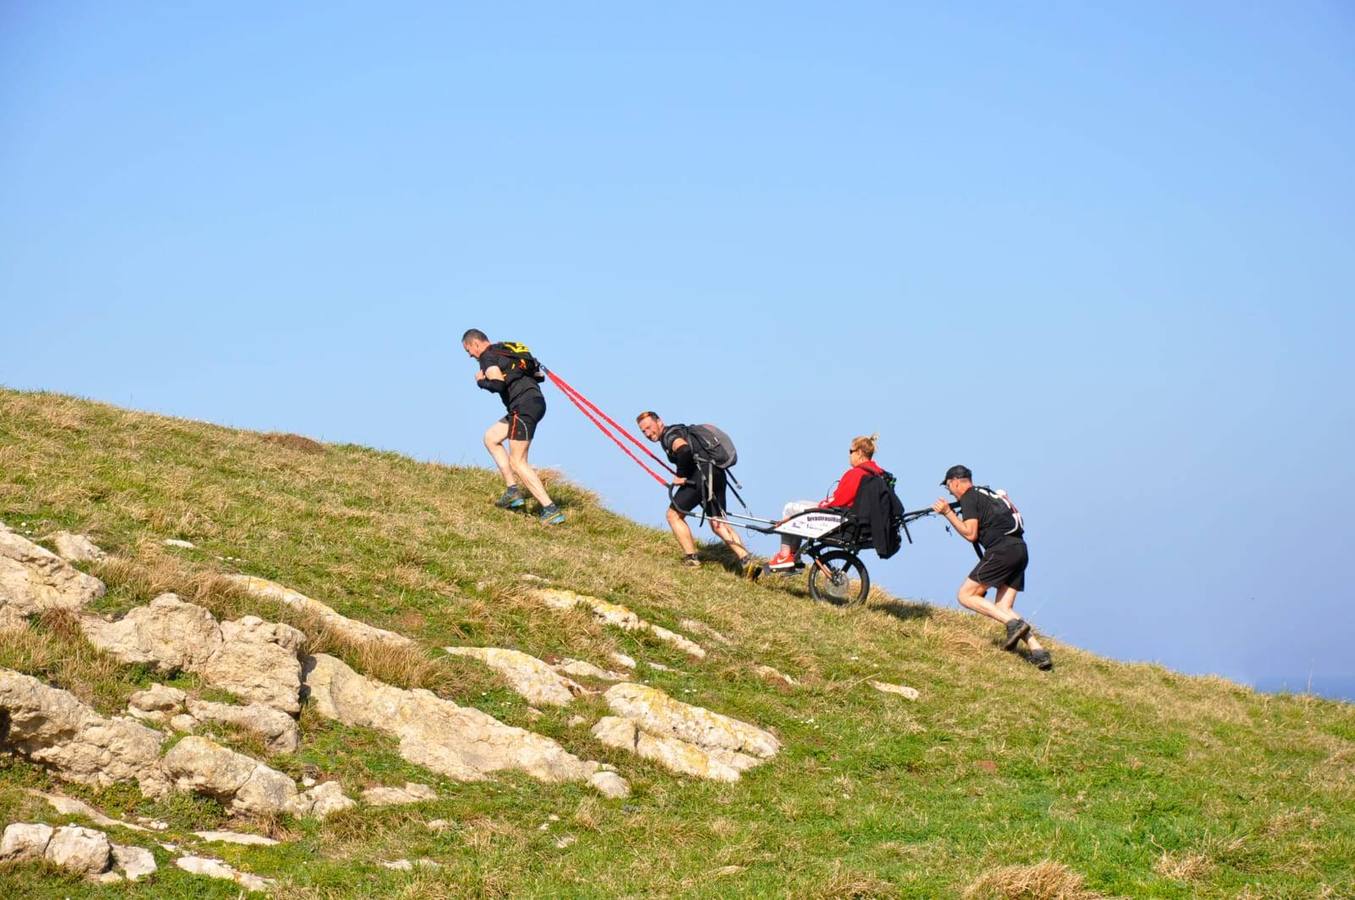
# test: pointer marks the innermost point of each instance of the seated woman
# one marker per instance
(862, 456)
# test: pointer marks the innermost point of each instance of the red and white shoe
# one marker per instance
(783, 561)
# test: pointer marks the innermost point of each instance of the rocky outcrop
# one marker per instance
(33, 578)
(235, 837)
(52, 728)
(381, 795)
(582, 669)
(167, 705)
(215, 868)
(76, 548)
(359, 632)
(619, 616)
(682, 737)
(705, 631)
(257, 661)
(771, 674)
(246, 785)
(532, 678)
(457, 741)
(69, 806)
(167, 633)
(82, 851)
(902, 690)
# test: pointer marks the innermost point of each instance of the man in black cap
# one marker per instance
(990, 521)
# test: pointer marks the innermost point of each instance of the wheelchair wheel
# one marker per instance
(845, 583)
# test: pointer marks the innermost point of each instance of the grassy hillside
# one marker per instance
(1136, 780)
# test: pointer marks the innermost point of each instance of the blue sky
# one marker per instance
(1102, 256)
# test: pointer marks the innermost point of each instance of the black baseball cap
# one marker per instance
(957, 472)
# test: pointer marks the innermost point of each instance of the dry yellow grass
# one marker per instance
(1045, 880)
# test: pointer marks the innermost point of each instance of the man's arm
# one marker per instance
(682, 458)
(965, 528)
(491, 379)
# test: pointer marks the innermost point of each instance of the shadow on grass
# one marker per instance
(902, 610)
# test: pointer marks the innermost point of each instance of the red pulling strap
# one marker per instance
(584, 405)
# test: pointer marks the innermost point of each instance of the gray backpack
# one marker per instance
(712, 443)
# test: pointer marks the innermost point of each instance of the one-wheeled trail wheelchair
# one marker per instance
(832, 540)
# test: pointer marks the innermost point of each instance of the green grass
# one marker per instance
(1141, 781)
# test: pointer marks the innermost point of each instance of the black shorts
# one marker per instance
(1005, 564)
(693, 494)
(524, 416)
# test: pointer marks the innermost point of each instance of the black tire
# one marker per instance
(846, 583)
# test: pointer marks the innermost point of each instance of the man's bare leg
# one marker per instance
(1006, 599)
(523, 470)
(972, 595)
(494, 438)
(731, 538)
(682, 531)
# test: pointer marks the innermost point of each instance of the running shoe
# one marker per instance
(1017, 629)
(551, 515)
(783, 561)
(1041, 660)
(691, 561)
(511, 498)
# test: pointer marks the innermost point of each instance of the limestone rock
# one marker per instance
(81, 850)
(134, 862)
(257, 661)
(11, 619)
(180, 543)
(349, 628)
(279, 730)
(167, 633)
(624, 661)
(52, 728)
(245, 785)
(582, 669)
(69, 806)
(215, 868)
(235, 837)
(183, 722)
(771, 674)
(381, 795)
(33, 578)
(609, 784)
(322, 801)
(677, 755)
(399, 865)
(22, 842)
(657, 713)
(530, 677)
(460, 742)
(617, 615)
(903, 690)
(157, 703)
(705, 630)
(76, 548)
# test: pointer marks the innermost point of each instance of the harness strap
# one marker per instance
(580, 402)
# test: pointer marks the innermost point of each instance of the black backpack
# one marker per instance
(523, 364)
(878, 507)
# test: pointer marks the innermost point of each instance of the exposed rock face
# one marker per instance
(12, 619)
(157, 703)
(392, 796)
(81, 850)
(166, 633)
(323, 800)
(682, 737)
(215, 868)
(258, 663)
(251, 658)
(671, 753)
(582, 669)
(22, 842)
(33, 578)
(52, 728)
(243, 784)
(457, 741)
(771, 674)
(69, 806)
(234, 837)
(76, 548)
(658, 713)
(135, 862)
(620, 616)
(903, 690)
(532, 678)
(350, 628)
(277, 728)
(705, 630)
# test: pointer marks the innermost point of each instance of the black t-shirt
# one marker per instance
(995, 519)
(519, 386)
(686, 466)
